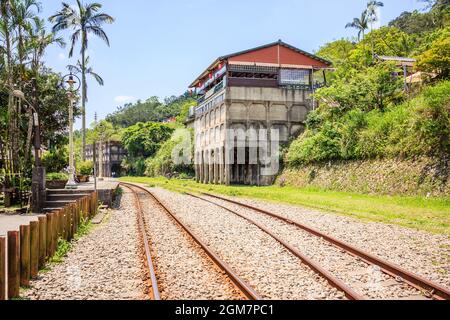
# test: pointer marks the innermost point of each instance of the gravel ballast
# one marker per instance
(183, 269)
(364, 278)
(423, 253)
(106, 264)
(259, 259)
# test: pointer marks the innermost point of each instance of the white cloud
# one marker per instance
(124, 99)
(61, 56)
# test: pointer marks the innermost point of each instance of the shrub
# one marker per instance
(163, 162)
(55, 160)
(56, 176)
(85, 167)
(417, 127)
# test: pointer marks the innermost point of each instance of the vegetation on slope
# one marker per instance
(366, 112)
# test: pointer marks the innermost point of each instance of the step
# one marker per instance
(70, 192)
(64, 197)
(58, 204)
(47, 210)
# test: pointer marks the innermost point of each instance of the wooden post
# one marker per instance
(70, 223)
(2, 269)
(34, 249)
(49, 235)
(25, 256)
(55, 233)
(42, 241)
(13, 264)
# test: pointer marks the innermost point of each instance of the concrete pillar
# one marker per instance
(222, 166)
(216, 166)
(206, 167)
(202, 164)
(211, 167)
(197, 167)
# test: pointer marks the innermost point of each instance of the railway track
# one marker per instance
(245, 289)
(429, 289)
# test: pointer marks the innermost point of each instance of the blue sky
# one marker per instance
(159, 47)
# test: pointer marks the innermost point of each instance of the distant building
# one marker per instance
(113, 155)
(170, 120)
(260, 89)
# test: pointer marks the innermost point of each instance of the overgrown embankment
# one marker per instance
(421, 176)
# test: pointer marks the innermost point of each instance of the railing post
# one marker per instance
(13, 264)
(34, 249)
(49, 237)
(25, 270)
(2, 268)
(42, 240)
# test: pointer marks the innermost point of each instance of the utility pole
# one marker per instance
(71, 95)
(94, 157)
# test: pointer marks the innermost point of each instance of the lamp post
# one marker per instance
(70, 86)
(38, 190)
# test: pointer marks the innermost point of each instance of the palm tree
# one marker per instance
(84, 19)
(40, 39)
(360, 24)
(23, 18)
(78, 68)
(372, 16)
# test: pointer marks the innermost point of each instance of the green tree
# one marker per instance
(372, 16)
(84, 19)
(361, 24)
(436, 57)
(144, 139)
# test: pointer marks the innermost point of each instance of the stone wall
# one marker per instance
(422, 176)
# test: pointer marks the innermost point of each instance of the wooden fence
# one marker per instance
(23, 253)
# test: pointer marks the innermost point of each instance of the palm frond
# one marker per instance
(74, 39)
(99, 32)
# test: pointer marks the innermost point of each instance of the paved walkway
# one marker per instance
(106, 184)
(13, 222)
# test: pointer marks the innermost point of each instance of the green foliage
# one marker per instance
(419, 23)
(85, 167)
(56, 160)
(436, 57)
(145, 139)
(62, 250)
(151, 110)
(163, 164)
(84, 228)
(386, 41)
(366, 89)
(420, 126)
(337, 51)
(56, 176)
(101, 131)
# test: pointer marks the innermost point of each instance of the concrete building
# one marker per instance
(253, 93)
(113, 155)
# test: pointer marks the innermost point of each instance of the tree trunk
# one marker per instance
(10, 139)
(29, 137)
(83, 96)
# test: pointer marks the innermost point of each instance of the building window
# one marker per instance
(295, 77)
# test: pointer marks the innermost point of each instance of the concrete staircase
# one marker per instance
(58, 199)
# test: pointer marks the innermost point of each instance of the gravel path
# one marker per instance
(365, 279)
(104, 265)
(183, 270)
(420, 252)
(259, 259)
